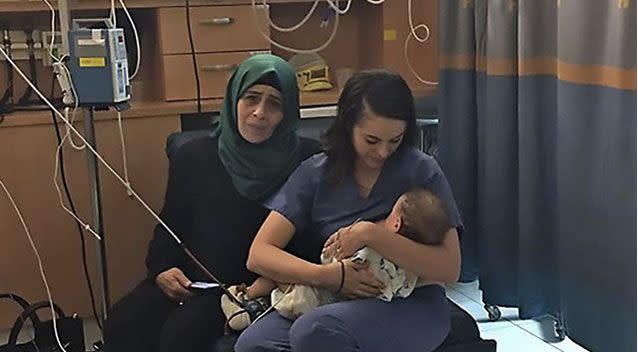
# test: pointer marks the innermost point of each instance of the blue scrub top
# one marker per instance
(307, 201)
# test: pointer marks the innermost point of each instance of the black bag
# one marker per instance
(464, 334)
(70, 329)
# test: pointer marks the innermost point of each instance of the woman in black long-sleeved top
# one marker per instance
(213, 201)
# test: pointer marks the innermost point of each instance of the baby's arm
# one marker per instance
(261, 288)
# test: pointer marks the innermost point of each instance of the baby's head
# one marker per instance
(420, 216)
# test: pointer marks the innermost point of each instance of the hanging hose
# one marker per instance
(26, 97)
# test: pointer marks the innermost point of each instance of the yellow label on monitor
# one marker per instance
(92, 62)
(389, 34)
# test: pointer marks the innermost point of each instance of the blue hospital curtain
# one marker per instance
(538, 141)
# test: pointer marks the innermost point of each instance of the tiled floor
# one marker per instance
(511, 333)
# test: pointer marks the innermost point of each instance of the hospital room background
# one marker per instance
(529, 107)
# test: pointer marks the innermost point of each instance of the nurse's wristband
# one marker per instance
(343, 275)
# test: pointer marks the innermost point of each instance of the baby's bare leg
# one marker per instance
(261, 288)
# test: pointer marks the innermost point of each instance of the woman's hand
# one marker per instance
(347, 240)
(359, 281)
(174, 284)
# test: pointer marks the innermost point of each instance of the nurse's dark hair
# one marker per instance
(386, 94)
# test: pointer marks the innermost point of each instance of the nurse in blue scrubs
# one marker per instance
(369, 161)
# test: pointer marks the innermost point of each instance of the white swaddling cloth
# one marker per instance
(397, 282)
(300, 299)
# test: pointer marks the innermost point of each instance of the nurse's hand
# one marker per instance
(359, 281)
(347, 240)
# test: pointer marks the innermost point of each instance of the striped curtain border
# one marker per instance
(601, 75)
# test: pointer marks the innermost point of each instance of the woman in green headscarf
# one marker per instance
(216, 188)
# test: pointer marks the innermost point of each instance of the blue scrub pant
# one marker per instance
(417, 323)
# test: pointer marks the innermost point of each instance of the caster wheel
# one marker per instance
(493, 312)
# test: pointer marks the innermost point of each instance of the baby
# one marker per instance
(418, 215)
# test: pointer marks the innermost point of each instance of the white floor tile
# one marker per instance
(544, 329)
(455, 296)
(494, 325)
(569, 346)
(510, 314)
(476, 296)
(92, 333)
(514, 339)
(480, 315)
(470, 290)
(511, 333)
(465, 286)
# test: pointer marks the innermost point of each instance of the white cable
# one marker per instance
(338, 10)
(84, 225)
(68, 134)
(76, 102)
(76, 98)
(272, 306)
(128, 182)
(413, 33)
(335, 5)
(60, 59)
(137, 41)
(298, 25)
(97, 155)
(407, 59)
(293, 50)
(37, 255)
(112, 16)
(413, 29)
(55, 59)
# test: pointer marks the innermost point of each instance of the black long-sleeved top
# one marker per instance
(213, 220)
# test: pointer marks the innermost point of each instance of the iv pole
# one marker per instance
(96, 206)
(94, 177)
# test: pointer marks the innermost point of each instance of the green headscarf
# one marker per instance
(259, 170)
